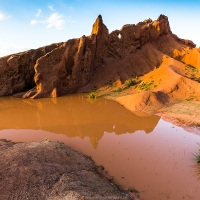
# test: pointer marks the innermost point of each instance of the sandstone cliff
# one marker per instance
(80, 64)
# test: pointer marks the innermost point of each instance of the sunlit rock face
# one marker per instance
(80, 64)
(17, 70)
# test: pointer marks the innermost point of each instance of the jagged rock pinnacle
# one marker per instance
(99, 27)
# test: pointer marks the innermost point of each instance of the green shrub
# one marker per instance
(194, 78)
(119, 90)
(92, 95)
(130, 82)
(191, 68)
(197, 79)
(145, 86)
(190, 98)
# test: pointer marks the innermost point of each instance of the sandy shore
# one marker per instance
(185, 114)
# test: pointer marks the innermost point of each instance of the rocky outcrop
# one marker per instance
(71, 65)
(80, 64)
(17, 70)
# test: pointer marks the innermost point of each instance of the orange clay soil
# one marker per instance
(172, 90)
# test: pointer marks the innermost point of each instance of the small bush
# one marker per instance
(198, 158)
(197, 79)
(145, 86)
(191, 68)
(190, 98)
(92, 95)
(119, 90)
(130, 82)
(194, 78)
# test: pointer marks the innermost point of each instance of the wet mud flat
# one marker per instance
(51, 170)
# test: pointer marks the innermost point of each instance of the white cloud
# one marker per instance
(54, 20)
(51, 8)
(39, 11)
(3, 16)
(33, 22)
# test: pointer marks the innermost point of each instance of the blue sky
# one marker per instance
(28, 24)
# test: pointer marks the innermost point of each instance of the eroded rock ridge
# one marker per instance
(80, 64)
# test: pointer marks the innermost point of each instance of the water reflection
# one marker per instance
(160, 165)
(72, 116)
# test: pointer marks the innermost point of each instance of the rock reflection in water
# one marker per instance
(159, 165)
(72, 116)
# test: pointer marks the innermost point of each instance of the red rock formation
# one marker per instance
(17, 70)
(80, 64)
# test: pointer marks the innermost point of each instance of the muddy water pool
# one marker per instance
(141, 152)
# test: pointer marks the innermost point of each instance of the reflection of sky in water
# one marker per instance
(160, 164)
